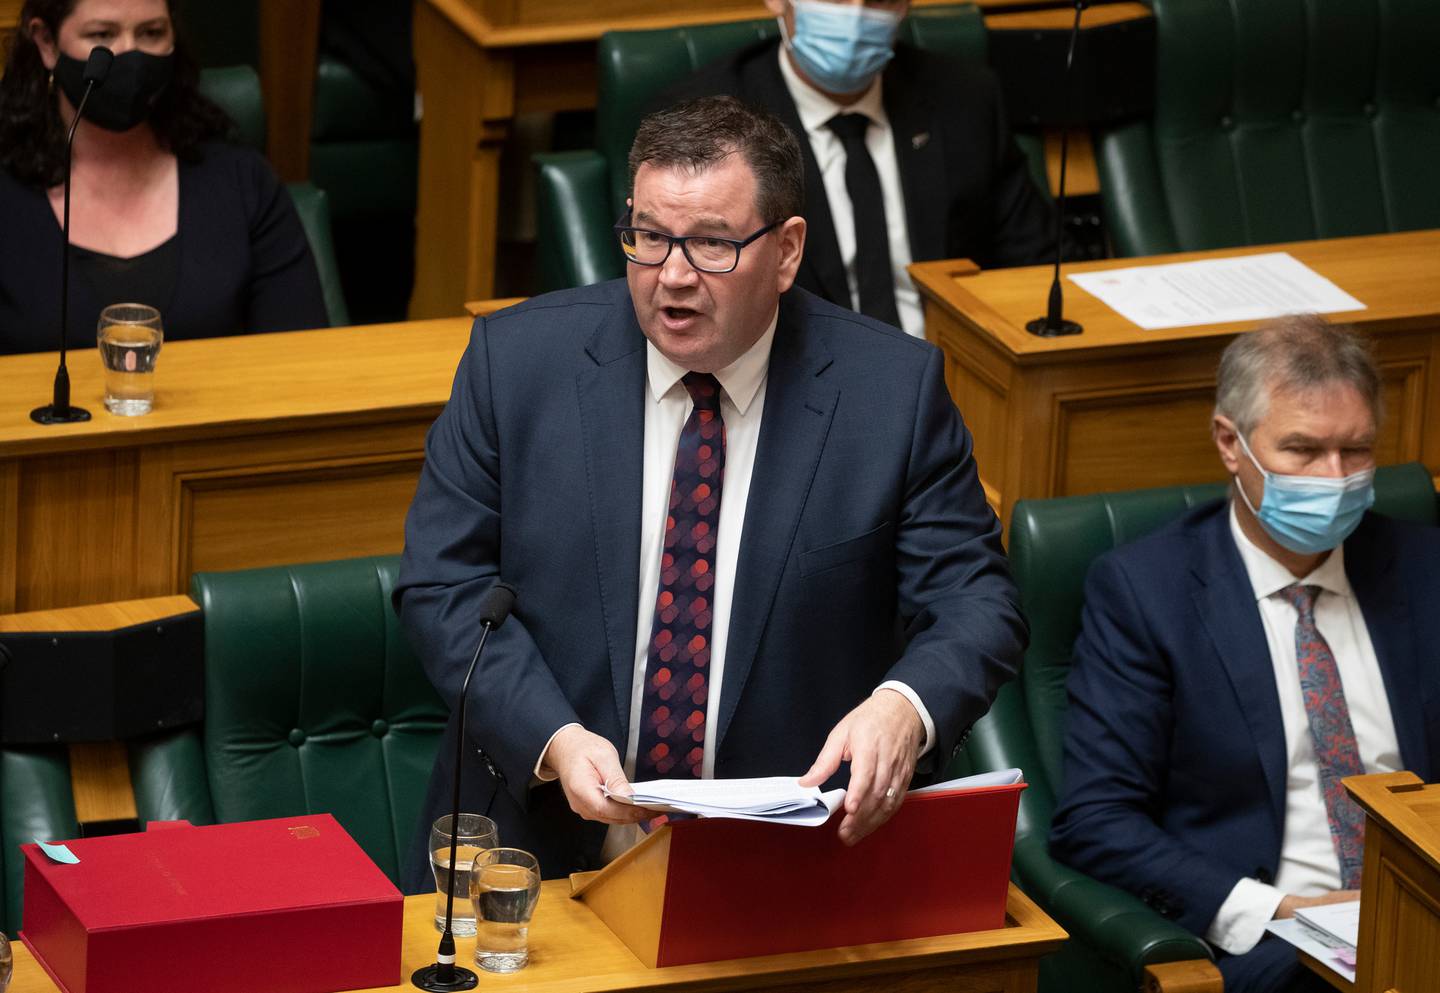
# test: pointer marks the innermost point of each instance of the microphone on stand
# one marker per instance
(59, 411)
(1054, 324)
(444, 975)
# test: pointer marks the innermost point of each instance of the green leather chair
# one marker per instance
(237, 90)
(314, 702)
(583, 193)
(35, 802)
(1279, 120)
(1114, 936)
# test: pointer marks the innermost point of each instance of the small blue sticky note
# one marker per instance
(58, 853)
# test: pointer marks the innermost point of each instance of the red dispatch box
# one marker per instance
(288, 906)
(710, 889)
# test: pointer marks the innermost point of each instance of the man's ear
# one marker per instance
(791, 236)
(44, 41)
(1227, 443)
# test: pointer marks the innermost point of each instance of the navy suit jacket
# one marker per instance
(967, 186)
(1175, 764)
(869, 552)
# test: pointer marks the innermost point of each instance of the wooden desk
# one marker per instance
(1118, 407)
(482, 62)
(573, 952)
(1399, 946)
(261, 450)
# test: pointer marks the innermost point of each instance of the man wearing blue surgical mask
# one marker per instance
(1235, 666)
(908, 156)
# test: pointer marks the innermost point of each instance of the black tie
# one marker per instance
(872, 237)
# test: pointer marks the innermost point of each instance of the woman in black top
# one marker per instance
(162, 212)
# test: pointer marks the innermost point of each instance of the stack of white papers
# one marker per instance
(1327, 934)
(1216, 291)
(779, 799)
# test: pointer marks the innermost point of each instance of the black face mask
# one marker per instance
(125, 99)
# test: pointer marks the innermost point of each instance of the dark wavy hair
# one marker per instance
(32, 135)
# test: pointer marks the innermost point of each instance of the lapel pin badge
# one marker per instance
(919, 141)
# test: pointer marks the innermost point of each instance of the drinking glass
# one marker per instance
(129, 335)
(504, 886)
(477, 833)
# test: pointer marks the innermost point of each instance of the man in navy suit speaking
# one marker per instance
(745, 524)
(1234, 667)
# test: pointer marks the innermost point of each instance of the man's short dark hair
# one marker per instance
(699, 134)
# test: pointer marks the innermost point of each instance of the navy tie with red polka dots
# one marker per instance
(677, 677)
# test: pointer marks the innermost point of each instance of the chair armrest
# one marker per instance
(1134, 203)
(1184, 977)
(313, 207)
(1115, 924)
(576, 246)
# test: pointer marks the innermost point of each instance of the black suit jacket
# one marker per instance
(967, 187)
(868, 552)
(1175, 765)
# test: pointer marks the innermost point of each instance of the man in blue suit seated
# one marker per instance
(1233, 667)
(745, 524)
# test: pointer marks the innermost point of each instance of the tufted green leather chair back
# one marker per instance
(1280, 120)
(1052, 544)
(314, 702)
(582, 193)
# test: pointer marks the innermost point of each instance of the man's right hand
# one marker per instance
(587, 763)
(1290, 904)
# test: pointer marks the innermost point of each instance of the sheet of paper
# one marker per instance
(1339, 920)
(58, 853)
(1000, 777)
(1318, 945)
(1215, 291)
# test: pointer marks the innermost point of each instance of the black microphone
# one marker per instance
(444, 975)
(59, 411)
(1054, 324)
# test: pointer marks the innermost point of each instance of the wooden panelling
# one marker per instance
(100, 782)
(99, 617)
(241, 520)
(1101, 440)
(289, 43)
(75, 537)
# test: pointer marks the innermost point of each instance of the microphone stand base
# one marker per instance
(1042, 328)
(50, 414)
(428, 978)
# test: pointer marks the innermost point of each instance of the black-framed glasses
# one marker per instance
(707, 254)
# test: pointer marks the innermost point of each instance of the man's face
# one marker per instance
(701, 320)
(1325, 431)
(781, 8)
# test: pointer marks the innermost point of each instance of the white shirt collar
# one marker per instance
(816, 109)
(1268, 577)
(740, 379)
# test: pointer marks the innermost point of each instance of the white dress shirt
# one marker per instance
(1308, 865)
(816, 110)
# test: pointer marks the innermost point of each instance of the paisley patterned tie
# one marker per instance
(1336, 753)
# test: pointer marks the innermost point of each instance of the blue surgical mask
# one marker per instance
(1310, 514)
(840, 47)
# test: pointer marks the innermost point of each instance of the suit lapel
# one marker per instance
(920, 158)
(799, 406)
(765, 87)
(1226, 601)
(612, 416)
(1386, 609)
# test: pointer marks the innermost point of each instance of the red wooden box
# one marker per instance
(291, 905)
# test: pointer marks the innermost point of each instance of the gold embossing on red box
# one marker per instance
(303, 831)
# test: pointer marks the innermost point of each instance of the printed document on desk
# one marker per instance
(1215, 291)
(778, 799)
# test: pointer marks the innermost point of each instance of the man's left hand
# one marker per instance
(881, 740)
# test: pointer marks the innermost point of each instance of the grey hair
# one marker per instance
(701, 133)
(1294, 353)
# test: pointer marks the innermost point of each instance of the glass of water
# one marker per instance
(504, 886)
(476, 834)
(130, 336)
